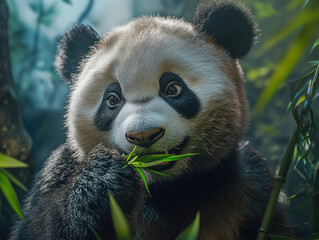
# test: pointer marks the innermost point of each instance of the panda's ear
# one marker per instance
(72, 49)
(229, 23)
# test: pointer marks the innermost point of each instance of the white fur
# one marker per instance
(136, 61)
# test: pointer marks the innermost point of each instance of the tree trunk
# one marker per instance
(14, 140)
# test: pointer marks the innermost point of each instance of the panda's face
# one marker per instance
(152, 87)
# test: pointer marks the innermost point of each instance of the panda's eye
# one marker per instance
(173, 89)
(113, 100)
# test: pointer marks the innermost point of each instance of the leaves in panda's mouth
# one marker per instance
(147, 161)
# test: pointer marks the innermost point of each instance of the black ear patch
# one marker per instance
(229, 23)
(72, 49)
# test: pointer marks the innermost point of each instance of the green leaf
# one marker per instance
(303, 18)
(313, 63)
(96, 235)
(150, 160)
(279, 237)
(306, 199)
(285, 67)
(307, 195)
(146, 165)
(178, 157)
(305, 2)
(152, 157)
(9, 162)
(153, 160)
(10, 194)
(140, 171)
(155, 172)
(300, 100)
(192, 231)
(13, 179)
(315, 45)
(120, 223)
(131, 154)
(0, 205)
(133, 160)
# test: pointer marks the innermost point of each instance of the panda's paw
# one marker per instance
(88, 205)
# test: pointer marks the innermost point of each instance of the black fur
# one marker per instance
(69, 199)
(187, 103)
(229, 23)
(105, 116)
(72, 49)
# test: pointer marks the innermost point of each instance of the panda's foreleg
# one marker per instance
(69, 198)
(88, 205)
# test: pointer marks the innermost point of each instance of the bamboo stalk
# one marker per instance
(315, 204)
(284, 167)
(279, 181)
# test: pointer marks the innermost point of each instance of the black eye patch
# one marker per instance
(105, 116)
(187, 104)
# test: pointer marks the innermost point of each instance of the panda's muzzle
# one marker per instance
(145, 138)
(176, 150)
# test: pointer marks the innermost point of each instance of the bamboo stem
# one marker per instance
(315, 204)
(279, 181)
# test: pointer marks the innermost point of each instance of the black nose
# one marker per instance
(145, 138)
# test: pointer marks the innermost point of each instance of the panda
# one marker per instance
(159, 84)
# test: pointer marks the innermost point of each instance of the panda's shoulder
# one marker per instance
(254, 166)
(58, 168)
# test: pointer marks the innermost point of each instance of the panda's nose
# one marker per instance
(145, 138)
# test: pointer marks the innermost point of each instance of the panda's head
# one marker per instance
(161, 84)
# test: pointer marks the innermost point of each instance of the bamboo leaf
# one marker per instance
(307, 199)
(133, 160)
(131, 154)
(178, 157)
(96, 235)
(285, 67)
(304, 17)
(10, 194)
(150, 160)
(9, 162)
(153, 160)
(14, 179)
(140, 171)
(192, 231)
(307, 195)
(315, 45)
(155, 172)
(297, 213)
(305, 2)
(120, 223)
(302, 84)
(300, 100)
(152, 157)
(151, 164)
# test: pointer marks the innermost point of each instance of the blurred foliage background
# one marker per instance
(279, 59)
